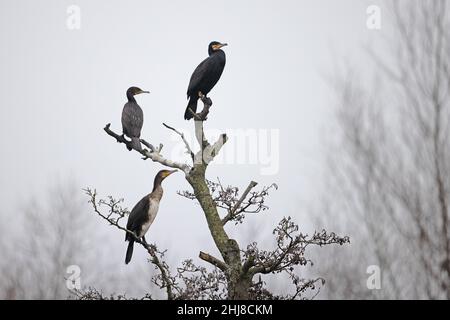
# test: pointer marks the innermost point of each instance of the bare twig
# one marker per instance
(290, 249)
(231, 212)
(236, 206)
(189, 150)
(116, 210)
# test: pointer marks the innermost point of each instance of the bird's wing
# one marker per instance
(198, 75)
(132, 119)
(139, 214)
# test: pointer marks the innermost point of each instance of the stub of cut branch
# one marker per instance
(150, 153)
(213, 260)
(211, 151)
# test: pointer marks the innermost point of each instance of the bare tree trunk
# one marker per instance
(238, 285)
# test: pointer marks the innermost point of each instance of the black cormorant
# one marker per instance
(133, 118)
(205, 76)
(144, 212)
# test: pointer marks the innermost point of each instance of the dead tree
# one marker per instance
(391, 171)
(235, 270)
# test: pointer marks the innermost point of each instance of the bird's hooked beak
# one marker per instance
(169, 172)
(142, 91)
(220, 45)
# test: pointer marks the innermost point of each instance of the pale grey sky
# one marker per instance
(60, 87)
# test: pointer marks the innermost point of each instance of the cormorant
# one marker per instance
(144, 212)
(133, 118)
(205, 76)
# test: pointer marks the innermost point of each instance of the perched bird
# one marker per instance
(205, 76)
(144, 213)
(133, 118)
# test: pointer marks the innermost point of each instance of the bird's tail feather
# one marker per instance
(129, 251)
(191, 105)
(136, 144)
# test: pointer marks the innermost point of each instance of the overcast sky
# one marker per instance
(60, 87)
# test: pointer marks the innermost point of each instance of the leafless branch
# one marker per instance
(189, 150)
(210, 151)
(190, 281)
(290, 248)
(199, 283)
(113, 217)
(153, 153)
(94, 294)
(213, 260)
(236, 205)
(231, 213)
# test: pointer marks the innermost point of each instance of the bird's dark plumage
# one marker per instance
(137, 218)
(205, 76)
(133, 118)
(144, 213)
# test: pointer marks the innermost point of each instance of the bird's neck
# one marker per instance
(131, 98)
(157, 192)
(216, 52)
(157, 183)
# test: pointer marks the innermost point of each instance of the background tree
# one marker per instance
(234, 272)
(389, 169)
(52, 230)
(53, 234)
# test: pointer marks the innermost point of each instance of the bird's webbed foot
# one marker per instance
(125, 141)
(124, 137)
(206, 100)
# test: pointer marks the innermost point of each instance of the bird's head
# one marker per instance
(132, 91)
(161, 176)
(214, 46)
(165, 173)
